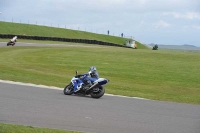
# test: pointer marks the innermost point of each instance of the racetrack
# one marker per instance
(42, 107)
(19, 44)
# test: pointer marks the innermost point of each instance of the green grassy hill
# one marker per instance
(36, 30)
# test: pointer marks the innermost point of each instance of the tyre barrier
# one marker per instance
(87, 41)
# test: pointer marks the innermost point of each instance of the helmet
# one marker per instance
(92, 69)
(93, 72)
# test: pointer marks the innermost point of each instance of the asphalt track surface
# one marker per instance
(46, 107)
(20, 44)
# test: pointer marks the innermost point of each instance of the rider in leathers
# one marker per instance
(92, 76)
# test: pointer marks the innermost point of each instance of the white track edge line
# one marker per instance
(57, 88)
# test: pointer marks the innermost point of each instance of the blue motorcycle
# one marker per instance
(96, 89)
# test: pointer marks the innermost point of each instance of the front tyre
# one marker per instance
(69, 89)
(97, 92)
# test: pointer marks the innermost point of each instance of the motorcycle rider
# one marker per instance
(14, 39)
(92, 76)
(93, 72)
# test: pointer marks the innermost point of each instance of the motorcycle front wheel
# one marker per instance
(69, 89)
(97, 92)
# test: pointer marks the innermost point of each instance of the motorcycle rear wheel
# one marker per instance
(69, 89)
(97, 92)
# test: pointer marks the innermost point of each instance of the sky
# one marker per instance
(170, 22)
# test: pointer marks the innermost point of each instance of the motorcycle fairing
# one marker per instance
(101, 81)
(76, 83)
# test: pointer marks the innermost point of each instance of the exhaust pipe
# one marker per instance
(91, 87)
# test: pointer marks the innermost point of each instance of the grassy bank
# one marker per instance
(159, 75)
(10, 128)
(35, 30)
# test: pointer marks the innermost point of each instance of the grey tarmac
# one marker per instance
(50, 108)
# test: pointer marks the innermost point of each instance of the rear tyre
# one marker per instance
(69, 89)
(8, 44)
(97, 92)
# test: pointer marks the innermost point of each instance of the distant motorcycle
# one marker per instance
(96, 90)
(12, 41)
(155, 47)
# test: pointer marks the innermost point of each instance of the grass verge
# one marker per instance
(11, 128)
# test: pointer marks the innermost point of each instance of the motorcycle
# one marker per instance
(11, 43)
(96, 90)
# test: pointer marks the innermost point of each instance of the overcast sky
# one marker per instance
(174, 22)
